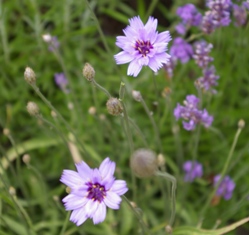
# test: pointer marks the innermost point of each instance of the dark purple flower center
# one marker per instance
(96, 192)
(143, 47)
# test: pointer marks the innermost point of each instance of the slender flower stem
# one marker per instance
(223, 172)
(101, 88)
(65, 224)
(59, 115)
(172, 179)
(139, 217)
(153, 124)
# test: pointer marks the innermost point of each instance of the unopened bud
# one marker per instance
(29, 76)
(143, 162)
(47, 38)
(12, 191)
(92, 110)
(33, 109)
(68, 190)
(168, 229)
(114, 106)
(88, 72)
(241, 124)
(26, 158)
(137, 95)
(6, 131)
(70, 106)
(160, 160)
(53, 114)
(102, 117)
(56, 198)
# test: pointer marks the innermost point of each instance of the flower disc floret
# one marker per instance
(142, 46)
(91, 191)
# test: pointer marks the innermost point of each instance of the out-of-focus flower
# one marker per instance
(239, 14)
(193, 170)
(61, 81)
(246, 4)
(180, 29)
(189, 15)
(142, 46)
(192, 114)
(181, 50)
(91, 190)
(225, 188)
(52, 41)
(169, 67)
(209, 79)
(201, 53)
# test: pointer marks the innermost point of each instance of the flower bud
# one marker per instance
(47, 38)
(143, 162)
(88, 72)
(92, 110)
(26, 158)
(29, 76)
(6, 131)
(33, 109)
(160, 160)
(114, 106)
(137, 95)
(241, 124)
(12, 191)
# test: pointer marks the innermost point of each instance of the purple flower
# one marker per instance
(246, 4)
(192, 169)
(191, 113)
(142, 46)
(225, 188)
(169, 67)
(208, 80)
(201, 53)
(91, 190)
(181, 29)
(240, 15)
(61, 81)
(52, 41)
(181, 50)
(189, 15)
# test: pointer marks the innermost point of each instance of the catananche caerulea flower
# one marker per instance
(192, 169)
(61, 81)
(142, 46)
(91, 190)
(225, 188)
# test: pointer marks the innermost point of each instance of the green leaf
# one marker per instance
(197, 231)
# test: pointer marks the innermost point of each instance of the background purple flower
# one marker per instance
(189, 15)
(181, 50)
(193, 170)
(209, 80)
(201, 53)
(61, 81)
(91, 190)
(180, 29)
(142, 46)
(225, 188)
(191, 113)
(239, 14)
(52, 41)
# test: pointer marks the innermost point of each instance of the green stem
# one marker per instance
(65, 224)
(172, 179)
(101, 88)
(224, 170)
(151, 8)
(153, 124)
(139, 217)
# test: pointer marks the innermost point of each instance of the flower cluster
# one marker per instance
(208, 80)
(225, 188)
(193, 170)
(181, 50)
(189, 16)
(217, 16)
(142, 46)
(191, 113)
(91, 190)
(239, 14)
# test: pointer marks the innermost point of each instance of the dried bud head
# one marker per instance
(143, 162)
(70, 106)
(12, 191)
(88, 72)
(92, 110)
(33, 109)
(114, 106)
(29, 76)
(68, 190)
(168, 229)
(137, 95)
(53, 114)
(6, 131)
(26, 158)
(102, 117)
(241, 124)
(160, 160)
(47, 38)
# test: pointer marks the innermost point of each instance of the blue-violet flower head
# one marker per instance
(193, 170)
(225, 188)
(201, 53)
(142, 46)
(61, 81)
(91, 190)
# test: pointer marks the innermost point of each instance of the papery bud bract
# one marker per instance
(241, 124)
(29, 76)
(26, 158)
(33, 109)
(114, 106)
(12, 191)
(143, 163)
(137, 95)
(88, 72)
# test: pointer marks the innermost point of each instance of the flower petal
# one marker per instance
(123, 57)
(84, 170)
(100, 214)
(112, 200)
(136, 23)
(163, 37)
(73, 202)
(119, 187)
(78, 216)
(134, 68)
(71, 178)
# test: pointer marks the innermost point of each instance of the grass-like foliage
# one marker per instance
(124, 117)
